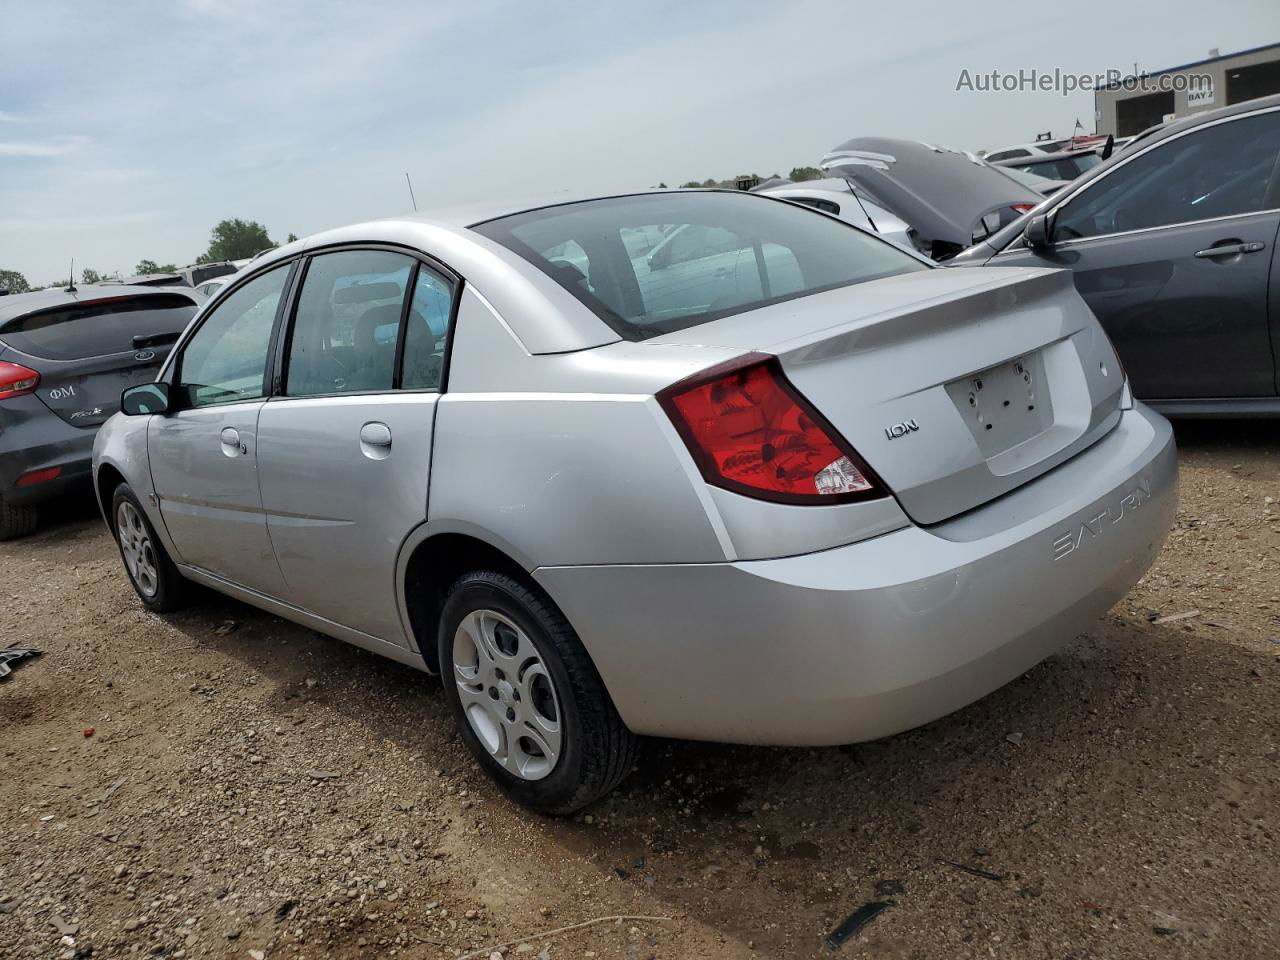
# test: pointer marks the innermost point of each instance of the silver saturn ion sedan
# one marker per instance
(786, 484)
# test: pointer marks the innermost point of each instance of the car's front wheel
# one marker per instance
(529, 702)
(155, 579)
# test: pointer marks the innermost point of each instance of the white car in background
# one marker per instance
(210, 287)
(837, 196)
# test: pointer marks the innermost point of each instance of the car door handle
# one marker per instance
(232, 446)
(375, 440)
(1231, 249)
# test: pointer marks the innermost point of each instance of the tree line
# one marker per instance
(233, 239)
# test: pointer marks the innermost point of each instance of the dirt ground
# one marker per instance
(251, 789)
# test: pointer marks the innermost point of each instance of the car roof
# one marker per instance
(545, 316)
(22, 304)
(460, 218)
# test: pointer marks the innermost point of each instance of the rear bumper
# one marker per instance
(34, 440)
(876, 637)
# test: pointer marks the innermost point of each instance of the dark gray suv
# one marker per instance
(1173, 245)
(65, 357)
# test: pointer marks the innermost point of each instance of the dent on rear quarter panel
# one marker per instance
(530, 448)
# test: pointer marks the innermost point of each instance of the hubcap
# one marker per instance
(507, 694)
(135, 545)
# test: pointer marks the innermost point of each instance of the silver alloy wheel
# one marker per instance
(507, 694)
(135, 545)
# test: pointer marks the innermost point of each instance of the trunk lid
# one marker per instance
(89, 349)
(948, 196)
(956, 386)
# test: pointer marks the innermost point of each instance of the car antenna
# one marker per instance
(412, 199)
(71, 281)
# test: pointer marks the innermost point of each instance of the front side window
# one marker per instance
(1222, 170)
(226, 359)
(719, 254)
(347, 323)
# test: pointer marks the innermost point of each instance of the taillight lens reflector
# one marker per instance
(751, 432)
(39, 476)
(16, 380)
(1022, 207)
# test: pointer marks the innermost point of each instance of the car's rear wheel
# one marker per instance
(529, 702)
(17, 521)
(155, 579)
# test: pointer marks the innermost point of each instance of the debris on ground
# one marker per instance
(975, 871)
(856, 921)
(10, 655)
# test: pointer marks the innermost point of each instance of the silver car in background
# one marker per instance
(804, 489)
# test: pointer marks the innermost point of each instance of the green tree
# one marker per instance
(800, 174)
(292, 237)
(90, 276)
(13, 281)
(150, 266)
(690, 183)
(235, 240)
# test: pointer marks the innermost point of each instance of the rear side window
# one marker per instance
(712, 255)
(99, 328)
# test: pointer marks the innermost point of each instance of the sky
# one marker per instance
(128, 129)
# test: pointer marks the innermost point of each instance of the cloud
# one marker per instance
(11, 118)
(58, 147)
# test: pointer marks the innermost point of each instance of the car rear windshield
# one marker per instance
(97, 328)
(654, 263)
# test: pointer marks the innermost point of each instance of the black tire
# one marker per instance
(597, 750)
(16, 521)
(171, 590)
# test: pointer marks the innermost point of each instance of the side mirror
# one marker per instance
(1037, 233)
(145, 398)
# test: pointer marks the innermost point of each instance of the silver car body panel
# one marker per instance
(844, 621)
(867, 640)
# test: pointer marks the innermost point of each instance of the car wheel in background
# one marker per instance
(527, 698)
(17, 521)
(153, 575)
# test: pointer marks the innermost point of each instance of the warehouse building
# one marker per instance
(1131, 105)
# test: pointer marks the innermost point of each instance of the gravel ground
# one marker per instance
(220, 783)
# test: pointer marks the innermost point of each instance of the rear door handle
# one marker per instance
(375, 440)
(1231, 249)
(376, 434)
(231, 443)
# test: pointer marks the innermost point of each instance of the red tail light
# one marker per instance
(751, 432)
(1023, 207)
(16, 380)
